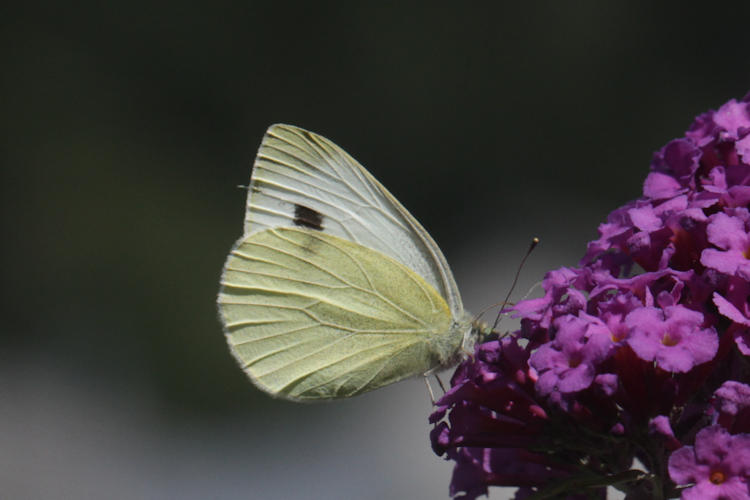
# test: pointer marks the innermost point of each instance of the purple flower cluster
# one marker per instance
(642, 352)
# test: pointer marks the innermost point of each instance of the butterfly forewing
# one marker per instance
(310, 315)
(301, 179)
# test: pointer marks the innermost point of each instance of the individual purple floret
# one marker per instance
(568, 363)
(727, 231)
(642, 352)
(717, 466)
(731, 405)
(671, 337)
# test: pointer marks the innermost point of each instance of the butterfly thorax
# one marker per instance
(455, 345)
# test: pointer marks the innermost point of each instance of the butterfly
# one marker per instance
(334, 289)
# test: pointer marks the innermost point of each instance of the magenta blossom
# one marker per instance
(671, 337)
(642, 352)
(731, 404)
(568, 363)
(717, 466)
(729, 234)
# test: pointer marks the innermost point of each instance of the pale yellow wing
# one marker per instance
(301, 179)
(313, 316)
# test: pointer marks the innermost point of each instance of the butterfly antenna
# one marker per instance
(532, 246)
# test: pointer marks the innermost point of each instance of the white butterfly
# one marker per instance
(334, 289)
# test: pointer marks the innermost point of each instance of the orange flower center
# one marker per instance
(617, 336)
(668, 341)
(574, 360)
(718, 477)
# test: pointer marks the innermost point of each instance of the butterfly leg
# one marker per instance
(432, 395)
(440, 383)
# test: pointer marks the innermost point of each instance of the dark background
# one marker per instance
(128, 125)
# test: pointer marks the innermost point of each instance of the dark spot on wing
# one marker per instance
(307, 217)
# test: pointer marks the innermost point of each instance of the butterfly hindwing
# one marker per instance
(310, 315)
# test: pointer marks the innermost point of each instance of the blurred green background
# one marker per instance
(128, 125)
